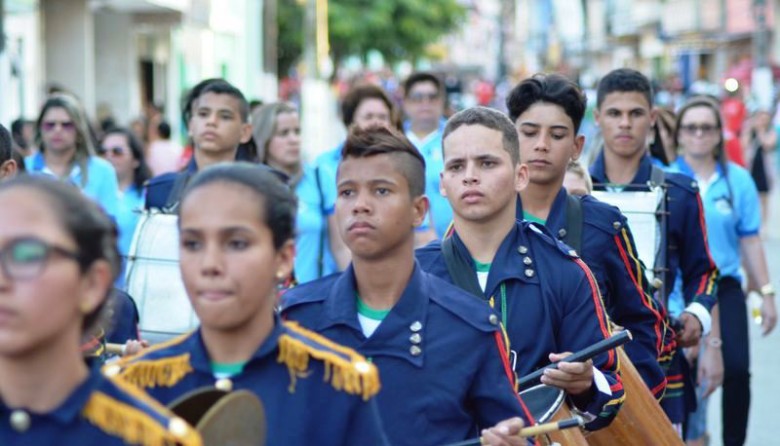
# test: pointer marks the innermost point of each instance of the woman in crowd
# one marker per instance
(67, 152)
(733, 221)
(124, 151)
(58, 260)
(759, 140)
(277, 134)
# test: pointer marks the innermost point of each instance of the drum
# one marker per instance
(641, 421)
(153, 279)
(548, 404)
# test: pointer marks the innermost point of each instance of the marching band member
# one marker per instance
(547, 111)
(440, 351)
(236, 224)
(58, 260)
(546, 296)
(625, 115)
(217, 116)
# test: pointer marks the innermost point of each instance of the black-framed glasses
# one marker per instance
(705, 129)
(26, 258)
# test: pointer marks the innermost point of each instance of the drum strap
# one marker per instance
(324, 226)
(460, 270)
(178, 187)
(574, 222)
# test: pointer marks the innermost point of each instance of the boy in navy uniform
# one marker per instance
(547, 111)
(236, 226)
(440, 351)
(625, 115)
(546, 296)
(217, 117)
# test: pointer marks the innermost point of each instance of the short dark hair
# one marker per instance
(164, 130)
(489, 118)
(380, 140)
(216, 86)
(6, 145)
(552, 89)
(142, 172)
(278, 201)
(421, 76)
(624, 80)
(93, 231)
(356, 96)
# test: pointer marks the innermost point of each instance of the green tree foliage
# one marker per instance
(399, 29)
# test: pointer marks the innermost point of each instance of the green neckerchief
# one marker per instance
(368, 312)
(533, 218)
(227, 368)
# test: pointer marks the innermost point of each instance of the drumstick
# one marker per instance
(532, 431)
(596, 349)
(115, 349)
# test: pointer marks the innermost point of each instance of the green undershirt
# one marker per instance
(227, 368)
(368, 312)
(533, 218)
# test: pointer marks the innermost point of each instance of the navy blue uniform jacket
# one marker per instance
(609, 251)
(438, 388)
(552, 305)
(301, 406)
(101, 411)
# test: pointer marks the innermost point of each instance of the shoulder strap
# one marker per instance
(460, 271)
(172, 202)
(323, 227)
(574, 222)
(657, 176)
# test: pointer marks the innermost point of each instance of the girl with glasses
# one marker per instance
(733, 217)
(67, 152)
(58, 260)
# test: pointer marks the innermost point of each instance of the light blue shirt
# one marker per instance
(431, 149)
(731, 211)
(101, 186)
(131, 202)
(313, 258)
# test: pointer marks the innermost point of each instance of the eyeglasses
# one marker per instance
(420, 97)
(116, 151)
(705, 129)
(48, 126)
(25, 258)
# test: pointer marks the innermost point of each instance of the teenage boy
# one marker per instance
(217, 123)
(547, 111)
(440, 352)
(546, 296)
(423, 105)
(625, 115)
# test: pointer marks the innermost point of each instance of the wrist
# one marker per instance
(714, 342)
(767, 290)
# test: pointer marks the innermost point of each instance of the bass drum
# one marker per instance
(547, 404)
(154, 280)
(641, 420)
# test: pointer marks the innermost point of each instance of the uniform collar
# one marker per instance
(557, 215)
(686, 169)
(71, 408)
(508, 261)
(392, 337)
(598, 170)
(201, 362)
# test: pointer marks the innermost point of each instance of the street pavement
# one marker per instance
(764, 357)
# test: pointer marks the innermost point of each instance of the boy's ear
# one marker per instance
(420, 206)
(246, 132)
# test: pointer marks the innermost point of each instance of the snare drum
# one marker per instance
(154, 280)
(548, 404)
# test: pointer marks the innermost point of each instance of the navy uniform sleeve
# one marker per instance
(699, 273)
(584, 323)
(494, 388)
(634, 308)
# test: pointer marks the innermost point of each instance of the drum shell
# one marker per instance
(154, 281)
(641, 420)
(556, 410)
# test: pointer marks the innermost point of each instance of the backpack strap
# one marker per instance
(460, 270)
(574, 222)
(172, 202)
